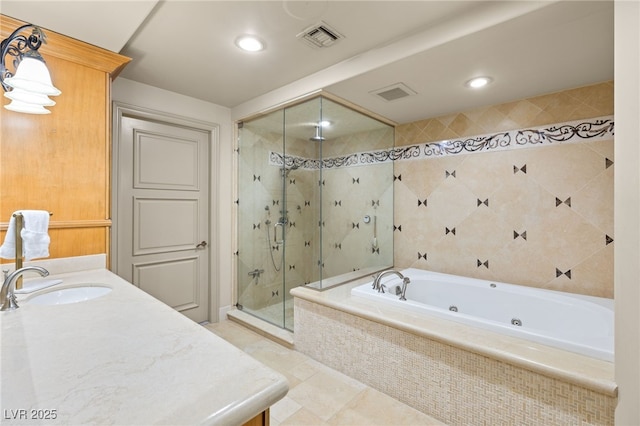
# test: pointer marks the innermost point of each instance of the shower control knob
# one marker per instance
(203, 244)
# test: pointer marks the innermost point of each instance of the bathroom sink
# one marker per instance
(63, 296)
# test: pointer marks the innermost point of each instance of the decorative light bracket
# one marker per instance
(22, 42)
(30, 85)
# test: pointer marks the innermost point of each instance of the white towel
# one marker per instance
(35, 237)
(8, 248)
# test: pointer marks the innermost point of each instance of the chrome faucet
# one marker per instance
(7, 296)
(377, 285)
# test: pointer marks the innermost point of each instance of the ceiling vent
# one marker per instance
(394, 92)
(320, 35)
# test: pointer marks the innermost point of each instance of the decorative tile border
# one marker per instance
(570, 132)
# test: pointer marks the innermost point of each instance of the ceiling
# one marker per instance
(433, 47)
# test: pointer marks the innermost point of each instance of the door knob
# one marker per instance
(203, 244)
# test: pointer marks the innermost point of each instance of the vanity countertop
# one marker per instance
(123, 358)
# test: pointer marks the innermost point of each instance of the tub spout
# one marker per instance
(377, 285)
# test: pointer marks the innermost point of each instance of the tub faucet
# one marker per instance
(7, 296)
(377, 285)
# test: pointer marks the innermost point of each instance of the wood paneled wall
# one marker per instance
(61, 162)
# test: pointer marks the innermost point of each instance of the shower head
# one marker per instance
(317, 137)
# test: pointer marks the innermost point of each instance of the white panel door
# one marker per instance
(163, 213)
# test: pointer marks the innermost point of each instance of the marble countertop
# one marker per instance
(123, 358)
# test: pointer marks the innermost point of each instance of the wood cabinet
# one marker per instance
(61, 162)
(261, 419)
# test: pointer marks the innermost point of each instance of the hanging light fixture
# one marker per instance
(30, 87)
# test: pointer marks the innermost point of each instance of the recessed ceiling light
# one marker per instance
(478, 82)
(250, 43)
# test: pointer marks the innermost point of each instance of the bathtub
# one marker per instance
(576, 323)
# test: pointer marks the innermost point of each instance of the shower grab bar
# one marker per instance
(275, 233)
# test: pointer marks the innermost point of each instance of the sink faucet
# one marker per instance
(377, 285)
(7, 296)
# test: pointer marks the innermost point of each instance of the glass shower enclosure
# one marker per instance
(315, 203)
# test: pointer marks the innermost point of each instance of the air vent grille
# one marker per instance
(320, 35)
(394, 92)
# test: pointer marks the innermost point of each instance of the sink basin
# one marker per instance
(64, 296)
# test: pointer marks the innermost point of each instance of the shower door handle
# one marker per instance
(275, 233)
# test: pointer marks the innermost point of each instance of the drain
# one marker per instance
(516, 321)
(492, 285)
(453, 308)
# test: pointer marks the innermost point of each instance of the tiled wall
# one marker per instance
(351, 193)
(540, 216)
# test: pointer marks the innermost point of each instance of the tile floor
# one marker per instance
(317, 394)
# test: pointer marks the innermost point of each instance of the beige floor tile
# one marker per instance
(235, 334)
(284, 409)
(325, 393)
(303, 417)
(371, 407)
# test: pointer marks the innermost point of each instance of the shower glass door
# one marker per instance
(315, 203)
(278, 210)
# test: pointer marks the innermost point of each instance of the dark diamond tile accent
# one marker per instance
(422, 256)
(355, 180)
(375, 203)
(523, 235)
(337, 203)
(292, 224)
(256, 178)
(608, 240)
(307, 203)
(256, 226)
(481, 263)
(607, 163)
(522, 169)
(237, 201)
(355, 225)
(447, 173)
(399, 177)
(292, 181)
(375, 250)
(567, 201)
(397, 228)
(447, 231)
(422, 203)
(307, 243)
(292, 267)
(485, 202)
(560, 273)
(274, 293)
(338, 246)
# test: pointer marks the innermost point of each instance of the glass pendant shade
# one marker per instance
(18, 106)
(32, 75)
(21, 95)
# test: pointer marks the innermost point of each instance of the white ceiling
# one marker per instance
(433, 47)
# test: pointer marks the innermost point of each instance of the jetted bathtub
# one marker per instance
(576, 323)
